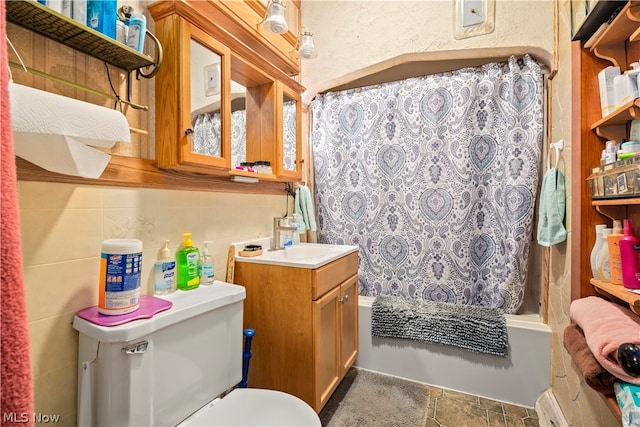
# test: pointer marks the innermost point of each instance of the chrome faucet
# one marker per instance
(279, 225)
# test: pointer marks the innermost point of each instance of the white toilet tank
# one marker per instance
(158, 371)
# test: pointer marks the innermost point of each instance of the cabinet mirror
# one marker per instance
(289, 138)
(238, 124)
(206, 101)
(289, 131)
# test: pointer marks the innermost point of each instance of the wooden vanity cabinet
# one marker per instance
(306, 323)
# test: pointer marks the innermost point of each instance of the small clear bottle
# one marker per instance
(206, 263)
(164, 272)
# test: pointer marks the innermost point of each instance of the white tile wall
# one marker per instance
(62, 228)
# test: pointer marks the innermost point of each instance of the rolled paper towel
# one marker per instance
(594, 374)
(606, 327)
(54, 131)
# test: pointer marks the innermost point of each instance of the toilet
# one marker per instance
(170, 369)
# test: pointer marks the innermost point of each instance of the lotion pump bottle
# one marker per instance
(206, 267)
(630, 257)
(596, 248)
(165, 272)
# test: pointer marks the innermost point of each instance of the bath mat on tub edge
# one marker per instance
(474, 328)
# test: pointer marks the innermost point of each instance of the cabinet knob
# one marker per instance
(188, 132)
(344, 299)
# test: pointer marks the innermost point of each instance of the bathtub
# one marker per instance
(520, 378)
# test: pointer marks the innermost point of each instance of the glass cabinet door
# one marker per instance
(206, 91)
(289, 134)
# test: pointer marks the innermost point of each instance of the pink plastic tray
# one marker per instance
(149, 307)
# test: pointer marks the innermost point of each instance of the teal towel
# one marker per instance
(552, 209)
(303, 205)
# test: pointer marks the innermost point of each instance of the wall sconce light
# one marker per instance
(306, 49)
(274, 20)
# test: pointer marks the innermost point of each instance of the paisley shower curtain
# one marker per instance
(435, 179)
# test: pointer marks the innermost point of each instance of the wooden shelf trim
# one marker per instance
(619, 293)
(142, 173)
(617, 202)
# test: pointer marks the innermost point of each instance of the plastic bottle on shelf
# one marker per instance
(602, 260)
(137, 31)
(164, 272)
(630, 90)
(630, 257)
(206, 267)
(596, 248)
(613, 241)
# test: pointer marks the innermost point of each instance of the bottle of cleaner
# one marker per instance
(596, 248)
(630, 257)
(613, 241)
(206, 267)
(188, 263)
(602, 260)
(164, 272)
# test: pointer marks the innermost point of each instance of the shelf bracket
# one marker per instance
(614, 132)
(615, 211)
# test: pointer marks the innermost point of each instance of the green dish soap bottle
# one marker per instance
(188, 262)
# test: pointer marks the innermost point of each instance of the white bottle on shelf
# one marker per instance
(602, 260)
(596, 248)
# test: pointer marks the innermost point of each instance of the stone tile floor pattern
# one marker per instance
(449, 408)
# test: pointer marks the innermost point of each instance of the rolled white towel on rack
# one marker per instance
(55, 132)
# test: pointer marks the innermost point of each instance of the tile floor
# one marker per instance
(454, 409)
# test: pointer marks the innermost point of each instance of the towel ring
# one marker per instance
(557, 147)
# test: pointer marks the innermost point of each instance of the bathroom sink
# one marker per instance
(303, 255)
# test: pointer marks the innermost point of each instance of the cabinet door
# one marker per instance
(192, 108)
(288, 133)
(349, 323)
(328, 369)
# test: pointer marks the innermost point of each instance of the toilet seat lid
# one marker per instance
(255, 407)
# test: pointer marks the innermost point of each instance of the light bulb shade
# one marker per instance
(307, 48)
(275, 20)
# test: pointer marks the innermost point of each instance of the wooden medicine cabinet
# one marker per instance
(217, 103)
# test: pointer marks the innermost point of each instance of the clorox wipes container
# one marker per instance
(120, 267)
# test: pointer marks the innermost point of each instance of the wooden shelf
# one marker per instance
(55, 26)
(600, 14)
(616, 202)
(619, 293)
(611, 44)
(613, 126)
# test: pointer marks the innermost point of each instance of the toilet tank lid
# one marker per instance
(186, 304)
